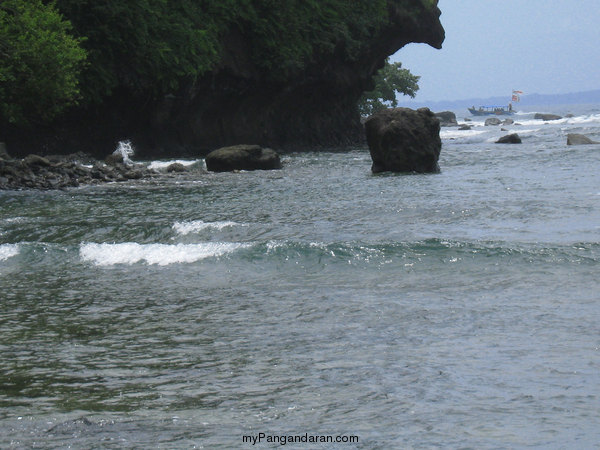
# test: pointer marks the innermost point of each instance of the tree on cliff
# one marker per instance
(391, 79)
(40, 62)
(194, 74)
(154, 47)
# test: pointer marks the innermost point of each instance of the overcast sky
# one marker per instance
(494, 46)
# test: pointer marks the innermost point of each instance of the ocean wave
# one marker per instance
(463, 135)
(159, 254)
(572, 120)
(162, 165)
(433, 249)
(8, 251)
(195, 226)
(584, 119)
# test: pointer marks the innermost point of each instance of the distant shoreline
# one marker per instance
(575, 98)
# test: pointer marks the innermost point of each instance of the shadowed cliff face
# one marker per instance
(316, 108)
(235, 104)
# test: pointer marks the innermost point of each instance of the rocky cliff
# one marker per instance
(235, 103)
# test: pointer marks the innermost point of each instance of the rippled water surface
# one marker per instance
(456, 310)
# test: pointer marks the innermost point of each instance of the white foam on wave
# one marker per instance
(160, 254)
(162, 165)
(460, 134)
(196, 226)
(584, 119)
(8, 251)
(573, 120)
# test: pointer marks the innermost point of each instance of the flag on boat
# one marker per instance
(515, 96)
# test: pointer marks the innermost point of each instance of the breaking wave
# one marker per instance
(159, 254)
(8, 251)
(196, 226)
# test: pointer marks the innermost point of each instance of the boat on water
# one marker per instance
(497, 110)
(492, 111)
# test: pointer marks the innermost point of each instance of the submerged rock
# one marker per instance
(579, 139)
(76, 427)
(404, 140)
(509, 139)
(242, 157)
(546, 117)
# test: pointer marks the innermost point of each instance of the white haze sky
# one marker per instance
(495, 46)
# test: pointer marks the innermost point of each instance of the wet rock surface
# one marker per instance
(57, 172)
(579, 139)
(242, 157)
(447, 119)
(509, 139)
(404, 140)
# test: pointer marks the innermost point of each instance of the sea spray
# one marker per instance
(125, 149)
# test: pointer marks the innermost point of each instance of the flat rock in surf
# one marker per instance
(242, 157)
(38, 172)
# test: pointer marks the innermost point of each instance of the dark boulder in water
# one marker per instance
(509, 139)
(176, 167)
(242, 157)
(546, 117)
(579, 139)
(404, 140)
(447, 119)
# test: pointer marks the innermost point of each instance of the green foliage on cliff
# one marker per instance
(39, 62)
(150, 48)
(287, 36)
(144, 46)
(389, 81)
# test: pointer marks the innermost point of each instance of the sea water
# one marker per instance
(218, 310)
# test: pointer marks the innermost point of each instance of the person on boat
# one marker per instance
(510, 106)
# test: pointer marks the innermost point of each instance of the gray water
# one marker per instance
(455, 310)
